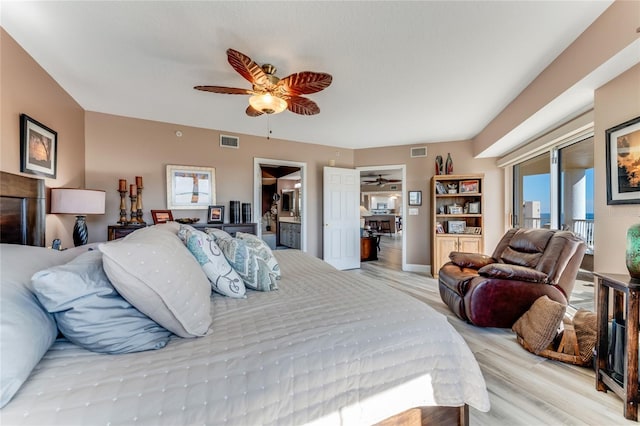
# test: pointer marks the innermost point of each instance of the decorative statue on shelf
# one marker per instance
(449, 165)
(453, 188)
(439, 165)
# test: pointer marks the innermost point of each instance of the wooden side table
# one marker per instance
(625, 309)
(118, 231)
(368, 249)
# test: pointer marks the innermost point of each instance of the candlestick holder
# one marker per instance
(139, 207)
(123, 207)
(134, 209)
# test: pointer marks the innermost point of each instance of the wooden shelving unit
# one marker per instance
(457, 218)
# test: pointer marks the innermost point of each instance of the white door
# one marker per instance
(341, 217)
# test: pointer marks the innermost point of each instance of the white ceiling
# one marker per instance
(403, 72)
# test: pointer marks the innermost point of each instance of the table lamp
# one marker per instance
(364, 213)
(79, 202)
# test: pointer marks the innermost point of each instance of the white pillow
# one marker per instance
(153, 270)
(224, 279)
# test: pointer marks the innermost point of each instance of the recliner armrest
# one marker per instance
(513, 272)
(471, 260)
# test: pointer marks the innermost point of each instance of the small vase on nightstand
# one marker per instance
(633, 251)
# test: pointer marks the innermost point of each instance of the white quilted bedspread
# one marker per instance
(326, 348)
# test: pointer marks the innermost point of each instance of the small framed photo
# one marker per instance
(469, 186)
(455, 209)
(456, 226)
(474, 207)
(161, 216)
(216, 214)
(415, 198)
(439, 228)
(190, 187)
(38, 148)
(623, 157)
(440, 189)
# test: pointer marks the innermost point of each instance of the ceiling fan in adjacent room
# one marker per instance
(380, 181)
(270, 94)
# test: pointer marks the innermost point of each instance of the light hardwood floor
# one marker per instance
(524, 389)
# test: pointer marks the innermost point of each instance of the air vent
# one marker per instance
(229, 141)
(393, 187)
(419, 151)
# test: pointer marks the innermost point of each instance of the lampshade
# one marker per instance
(267, 103)
(77, 201)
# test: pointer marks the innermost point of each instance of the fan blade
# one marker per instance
(245, 66)
(252, 112)
(225, 90)
(305, 82)
(300, 105)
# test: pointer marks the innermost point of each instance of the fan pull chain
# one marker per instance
(268, 127)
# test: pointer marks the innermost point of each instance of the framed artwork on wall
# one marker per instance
(38, 148)
(623, 157)
(415, 198)
(190, 187)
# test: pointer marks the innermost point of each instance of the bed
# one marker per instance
(327, 347)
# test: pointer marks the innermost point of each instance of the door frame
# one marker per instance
(405, 205)
(257, 193)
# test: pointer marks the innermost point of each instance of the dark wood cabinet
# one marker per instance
(230, 228)
(626, 310)
(118, 231)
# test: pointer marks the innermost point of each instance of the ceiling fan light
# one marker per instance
(268, 103)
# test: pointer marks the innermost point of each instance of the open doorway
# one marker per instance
(383, 201)
(280, 203)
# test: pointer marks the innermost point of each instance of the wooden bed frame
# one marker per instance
(22, 210)
(22, 221)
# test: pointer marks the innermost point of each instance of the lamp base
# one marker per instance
(80, 233)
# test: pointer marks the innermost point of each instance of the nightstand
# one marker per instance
(118, 231)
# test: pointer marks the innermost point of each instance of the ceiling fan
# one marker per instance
(380, 181)
(270, 94)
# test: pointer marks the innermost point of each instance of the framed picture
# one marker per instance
(456, 226)
(474, 207)
(453, 209)
(216, 214)
(623, 157)
(469, 186)
(415, 198)
(161, 216)
(440, 189)
(190, 187)
(38, 148)
(439, 228)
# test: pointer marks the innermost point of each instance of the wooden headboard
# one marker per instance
(22, 210)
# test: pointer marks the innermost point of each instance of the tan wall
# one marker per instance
(419, 172)
(122, 148)
(616, 102)
(27, 89)
(614, 30)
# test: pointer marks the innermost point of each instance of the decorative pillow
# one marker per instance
(539, 325)
(470, 260)
(585, 324)
(223, 278)
(153, 270)
(513, 272)
(28, 330)
(245, 260)
(89, 311)
(262, 250)
(217, 233)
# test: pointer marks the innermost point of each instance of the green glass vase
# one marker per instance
(633, 250)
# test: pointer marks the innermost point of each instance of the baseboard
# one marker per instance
(417, 268)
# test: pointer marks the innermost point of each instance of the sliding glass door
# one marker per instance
(532, 193)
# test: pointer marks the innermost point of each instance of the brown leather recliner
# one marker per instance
(527, 264)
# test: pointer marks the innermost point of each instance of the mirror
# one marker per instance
(289, 200)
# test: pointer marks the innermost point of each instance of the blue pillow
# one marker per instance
(91, 313)
(27, 329)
